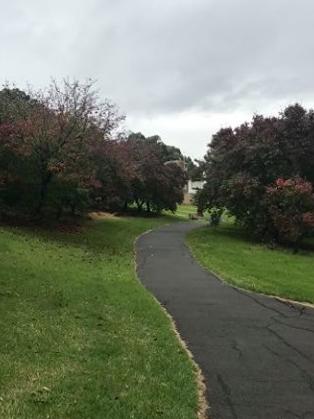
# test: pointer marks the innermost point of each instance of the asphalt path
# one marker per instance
(256, 353)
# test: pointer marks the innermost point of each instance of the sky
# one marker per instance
(181, 69)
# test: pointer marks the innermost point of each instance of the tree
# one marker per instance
(61, 151)
(244, 163)
(111, 189)
(52, 138)
(154, 184)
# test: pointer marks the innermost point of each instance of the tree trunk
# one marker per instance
(139, 204)
(43, 191)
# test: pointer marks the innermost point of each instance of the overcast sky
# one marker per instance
(178, 68)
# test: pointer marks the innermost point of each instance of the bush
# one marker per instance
(215, 216)
(262, 173)
(290, 205)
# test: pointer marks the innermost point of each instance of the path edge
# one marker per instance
(220, 278)
(203, 407)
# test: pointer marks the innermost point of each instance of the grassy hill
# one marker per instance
(80, 336)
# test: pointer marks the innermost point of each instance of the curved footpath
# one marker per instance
(256, 353)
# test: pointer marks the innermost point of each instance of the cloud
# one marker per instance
(161, 59)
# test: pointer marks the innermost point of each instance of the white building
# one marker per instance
(190, 190)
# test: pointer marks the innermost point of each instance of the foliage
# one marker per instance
(133, 171)
(215, 215)
(45, 144)
(195, 169)
(154, 183)
(170, 153)
(290, 203)
(61, 150)
(244, 164)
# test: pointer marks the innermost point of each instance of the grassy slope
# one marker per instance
(230, 254)
(80, 337)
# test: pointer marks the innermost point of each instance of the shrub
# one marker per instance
(290, 204)
(262, 173)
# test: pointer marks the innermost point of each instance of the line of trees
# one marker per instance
(62, 151)
(263, 173)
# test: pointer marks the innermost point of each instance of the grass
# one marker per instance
(226, 251)
(184, 210)
(80, 337)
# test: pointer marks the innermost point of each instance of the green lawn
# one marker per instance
(80, 337)
(229, 253)
(184, 210)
